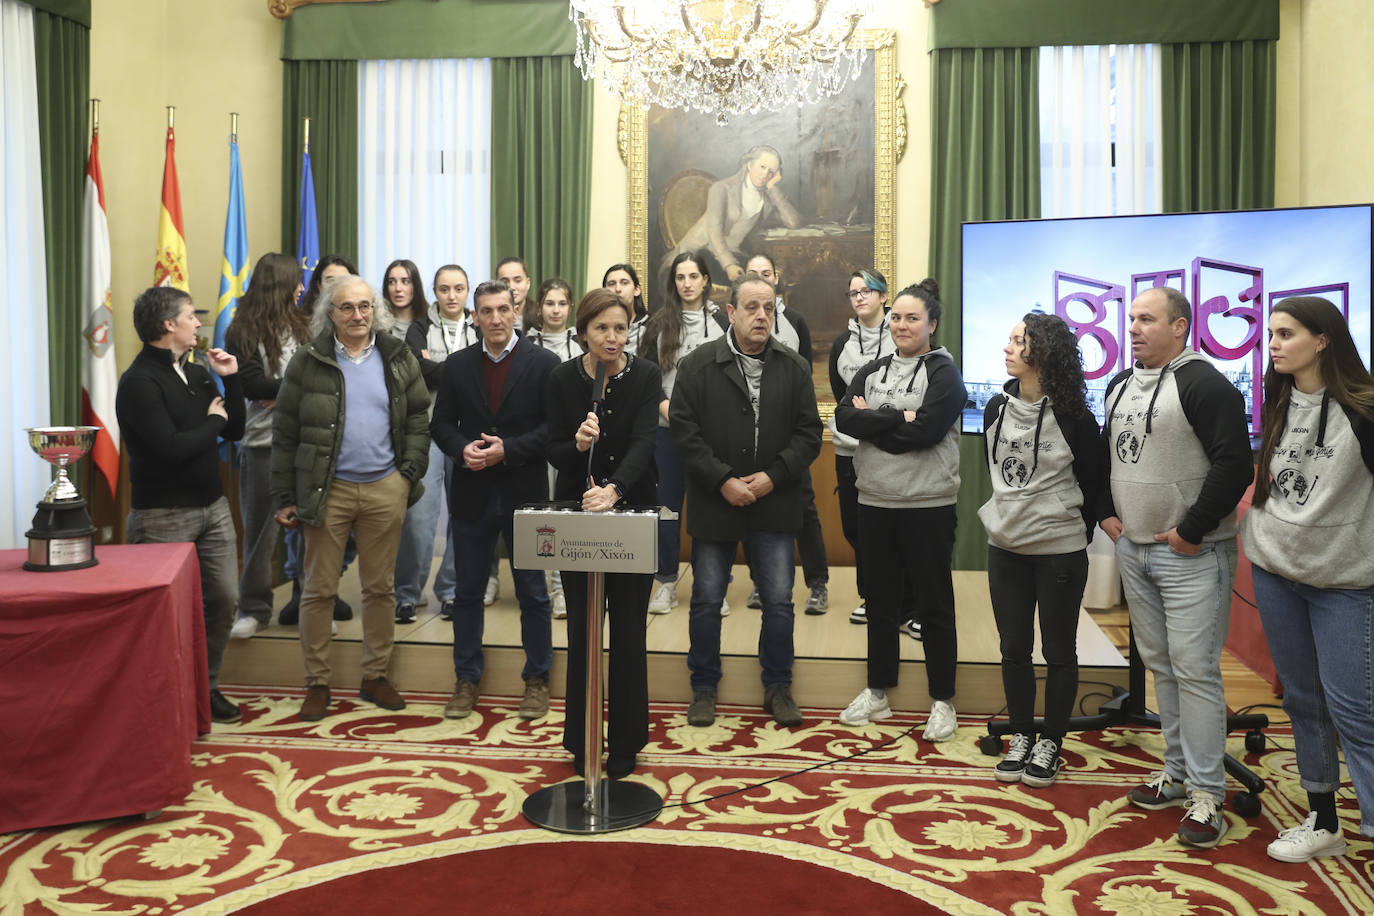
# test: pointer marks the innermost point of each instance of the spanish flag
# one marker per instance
(170, 269)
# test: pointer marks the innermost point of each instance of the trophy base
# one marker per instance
(62, 537)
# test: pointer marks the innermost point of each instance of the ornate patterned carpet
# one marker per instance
(282, 808)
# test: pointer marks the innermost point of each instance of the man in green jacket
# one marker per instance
(743, 416)
(350, 444)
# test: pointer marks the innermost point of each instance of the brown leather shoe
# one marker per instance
(463, 700)
(536, 701)
(315, 706)
(379, 690)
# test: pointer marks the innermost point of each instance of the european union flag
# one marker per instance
(233, 280)
(308, 233)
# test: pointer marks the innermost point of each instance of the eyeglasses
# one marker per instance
(857, 294)
(351, 309)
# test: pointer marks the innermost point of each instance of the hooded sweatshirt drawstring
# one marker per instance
(1321, 423)
(1150, 411)
(1039, 424)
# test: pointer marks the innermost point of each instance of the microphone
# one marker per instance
(598, 395)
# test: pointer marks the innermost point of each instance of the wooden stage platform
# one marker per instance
(830, 651)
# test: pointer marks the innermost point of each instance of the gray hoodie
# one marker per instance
(1317, 526)
(1035, 463)
(855, 348)
(903, 464)
(1179, 451)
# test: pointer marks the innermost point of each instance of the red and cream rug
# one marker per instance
(412, 813)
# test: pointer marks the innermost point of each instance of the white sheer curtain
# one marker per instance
(424, 166)
(1100, 130)
(1094, 101)
(24, 345)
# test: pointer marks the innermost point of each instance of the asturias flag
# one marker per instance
(170, 269)
(308, 233)
(99, 376)
(233, 278)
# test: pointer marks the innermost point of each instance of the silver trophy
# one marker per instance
(62, 536)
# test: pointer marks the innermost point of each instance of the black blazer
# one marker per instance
(629, 429)
(462, 414)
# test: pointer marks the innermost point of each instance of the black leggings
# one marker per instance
(847, 492)
(921, 541)
(1018, 583)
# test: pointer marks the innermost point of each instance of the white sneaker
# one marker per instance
(942, 722)
(664, 599)
(866, 707)
(1305, 842)
(244, 628)
(333, 628)
(724, 608)
(859, 614)
(493, 591)
(560, 605)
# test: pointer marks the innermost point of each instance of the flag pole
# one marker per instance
(234, 126)
(171, 116)
(307, 135)
(95, 117)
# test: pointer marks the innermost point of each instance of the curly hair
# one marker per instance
(1052, 351)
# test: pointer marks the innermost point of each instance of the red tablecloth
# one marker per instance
(103, 685)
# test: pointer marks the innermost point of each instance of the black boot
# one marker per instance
(342, 609)
(291, 611)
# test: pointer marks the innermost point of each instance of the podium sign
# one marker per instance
(562, 536)
(624, 541)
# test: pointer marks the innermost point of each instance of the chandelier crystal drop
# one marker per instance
(720, 57)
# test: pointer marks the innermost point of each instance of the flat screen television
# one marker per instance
(1233, 266)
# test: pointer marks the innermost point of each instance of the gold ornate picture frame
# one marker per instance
(673, 157)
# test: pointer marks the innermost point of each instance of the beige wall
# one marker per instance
(210, 58)
(908, 18)
(207, 59)
(1325, 103)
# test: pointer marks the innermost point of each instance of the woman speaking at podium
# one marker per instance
(602, 445)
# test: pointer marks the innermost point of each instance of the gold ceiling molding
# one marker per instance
(283, 9)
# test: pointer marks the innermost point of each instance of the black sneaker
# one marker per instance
(405, 613)
(1014, 764)
(1043, 765)
(703, 708)
(291, 610)
(342, 609)
(754, 601)
(221, 710)
(446, 610)
(912, 628)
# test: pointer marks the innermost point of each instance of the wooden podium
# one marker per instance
(562, 536)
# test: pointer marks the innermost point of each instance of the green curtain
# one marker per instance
(426, 29)
(1032, 23)
(326, 91)
(1219, 118)
(62, 51)
(985, 165)
(541, 137)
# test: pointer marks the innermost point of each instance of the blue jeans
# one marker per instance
(416, 555)
(473, 542)
(211, 529)
(672, 483)
(1320, 639)
(1180, 612)
(260, 532)
(772, 565)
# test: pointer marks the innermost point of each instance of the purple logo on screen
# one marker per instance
(1230, 316)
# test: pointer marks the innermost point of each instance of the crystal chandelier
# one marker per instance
(720, 57)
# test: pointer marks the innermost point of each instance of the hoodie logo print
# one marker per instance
(1292, 483)
(1015, 473)
(1129, 446)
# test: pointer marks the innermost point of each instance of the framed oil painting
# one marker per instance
(830, 211)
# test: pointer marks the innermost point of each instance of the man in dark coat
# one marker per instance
(743, 417)
(489, 417)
